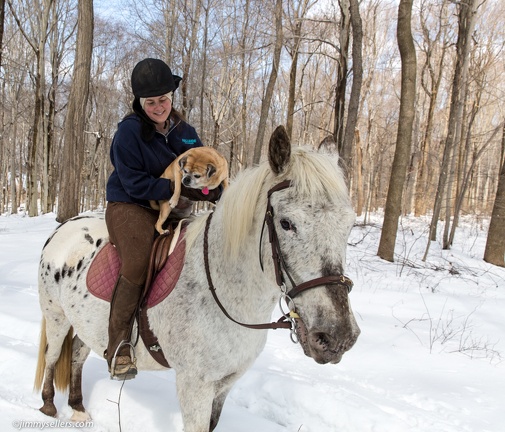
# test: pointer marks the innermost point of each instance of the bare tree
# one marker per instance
(466, 21)
(494, 252)
(342, 69)
(344, 136)
(357, 81)
(2, 26)
(299, 12)
(191, 28)
(434, 45)
(73, 149)
(404, 137)
(230, 50)
(3, 153)
(267, 98)
(37, 42)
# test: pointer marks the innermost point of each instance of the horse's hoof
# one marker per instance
(48, 409)
(80, 416)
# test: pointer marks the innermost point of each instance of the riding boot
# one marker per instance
(119, 353)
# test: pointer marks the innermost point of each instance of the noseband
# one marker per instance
(288, 320)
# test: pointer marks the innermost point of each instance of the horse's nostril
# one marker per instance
(321, 340)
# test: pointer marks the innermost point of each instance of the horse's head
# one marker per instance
(312, 219)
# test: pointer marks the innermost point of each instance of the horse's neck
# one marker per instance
(240, 284)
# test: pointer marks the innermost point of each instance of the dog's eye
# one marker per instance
(287, 225)
(197, 176)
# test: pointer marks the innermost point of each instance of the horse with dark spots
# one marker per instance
(279, 230)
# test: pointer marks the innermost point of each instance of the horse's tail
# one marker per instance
(63, 365)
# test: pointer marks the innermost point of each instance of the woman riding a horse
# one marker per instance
(145, 143)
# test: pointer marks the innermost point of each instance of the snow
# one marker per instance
(429, 357)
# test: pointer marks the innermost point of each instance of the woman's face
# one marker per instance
(158, 108)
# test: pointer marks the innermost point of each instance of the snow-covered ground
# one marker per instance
(429, 358)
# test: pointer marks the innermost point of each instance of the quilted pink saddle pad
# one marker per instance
(104, 271)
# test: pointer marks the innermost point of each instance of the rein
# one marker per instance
(282, 323)
(288, 320)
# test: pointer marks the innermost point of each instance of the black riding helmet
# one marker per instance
(152, 77)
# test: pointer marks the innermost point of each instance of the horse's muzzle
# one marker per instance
(324, 347)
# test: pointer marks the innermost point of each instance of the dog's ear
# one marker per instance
(182, 161)
(211, 170)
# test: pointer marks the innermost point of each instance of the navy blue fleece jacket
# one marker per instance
(138, 164)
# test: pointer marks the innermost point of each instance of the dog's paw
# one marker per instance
(173, 203)
(160, 230)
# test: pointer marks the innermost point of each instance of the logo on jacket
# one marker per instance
(189, 141)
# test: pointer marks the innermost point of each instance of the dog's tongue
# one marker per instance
(205, 190)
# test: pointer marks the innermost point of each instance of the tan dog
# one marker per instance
(198, 168)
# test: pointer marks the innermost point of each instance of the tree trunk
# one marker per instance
(292, 77)
(38, 44)
(435, 74)
(404, 137)
(340, 88)
(73, 147)
(466, 18)
(204, 77)
(357, 81)
(360, 189)
(32, 167)
(494, 252)
(193, 27)
(244, 151)
(2, 21)
(267, 99)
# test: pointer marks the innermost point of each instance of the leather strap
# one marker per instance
(281, 323)
(149, 338)
(339, 280)
(158, 258)
(280, 270)
(279, 264)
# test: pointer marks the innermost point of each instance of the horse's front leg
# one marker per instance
(222, 388)
(196, 399)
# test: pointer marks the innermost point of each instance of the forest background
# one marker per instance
(333, 72)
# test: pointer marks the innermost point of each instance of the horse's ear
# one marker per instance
(328, 144)
(279, 150)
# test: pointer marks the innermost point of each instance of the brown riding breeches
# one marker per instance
(131, 230)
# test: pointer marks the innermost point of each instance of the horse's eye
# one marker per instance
(287, 225)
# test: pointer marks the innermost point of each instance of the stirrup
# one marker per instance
(126, 371)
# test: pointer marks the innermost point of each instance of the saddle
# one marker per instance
(165, 266)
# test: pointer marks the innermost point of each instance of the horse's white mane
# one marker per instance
(316, 176)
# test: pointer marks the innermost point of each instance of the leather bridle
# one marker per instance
(279, 263)
(288, 319)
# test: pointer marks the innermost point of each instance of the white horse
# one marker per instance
(309, 217)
